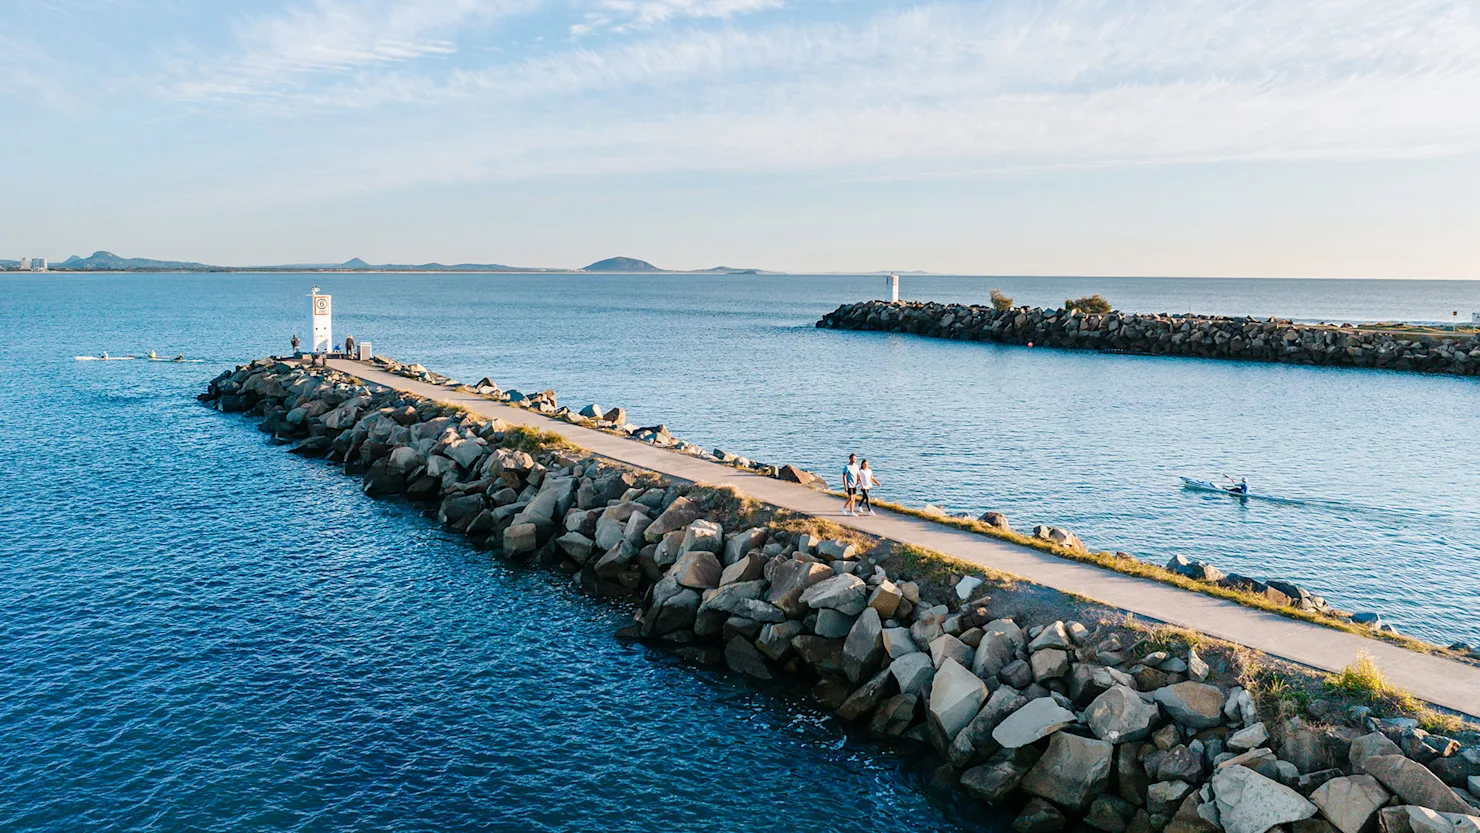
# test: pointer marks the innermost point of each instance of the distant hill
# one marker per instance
(622, 264)
(108, 262)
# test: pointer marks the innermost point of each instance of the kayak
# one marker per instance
(1205, 486)
(180, 361)
(105, 359)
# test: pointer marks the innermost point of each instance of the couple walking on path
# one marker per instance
(858, 479)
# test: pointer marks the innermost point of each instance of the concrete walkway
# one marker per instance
(1440, 681)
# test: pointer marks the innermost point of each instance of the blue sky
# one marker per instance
(1336, 138)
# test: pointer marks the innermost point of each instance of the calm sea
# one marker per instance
(202, 632)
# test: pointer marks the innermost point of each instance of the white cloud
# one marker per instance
(628, 15)
(929, 90)
(333, 36)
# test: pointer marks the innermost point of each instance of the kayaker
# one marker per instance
(1241, 487)
(104, 357)
(151, 355)
(179, 357)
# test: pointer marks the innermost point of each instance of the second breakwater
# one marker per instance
(1199, 336)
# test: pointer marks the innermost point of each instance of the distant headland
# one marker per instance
(102, 261)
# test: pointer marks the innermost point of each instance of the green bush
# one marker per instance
(1093, 303)
(1000, 302)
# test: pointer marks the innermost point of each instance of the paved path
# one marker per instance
(1440, 681)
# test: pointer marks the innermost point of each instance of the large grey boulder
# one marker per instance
(1120, 715)
(1414, 783)
(577, 546)
(1197, 705)
(846, 593)
(1164, 797)
(867, 697)
(898, 642)
(696, 569)
(702, 535)
(993, 653)
(1039, 816)
(743, 542)
(1034, 721)
(1250, 803)
(996, 780)
(956, 695)
(1052, 636)
(521, 539)
(947, 647)
(775, 639)
(1049, 664)
(913, 672)
(1369, 746)
(1008, 628)
(1351, 803)
(790, 580)
(742, 656)
(678, 515)
(864, 647)
(1072, 772)
(976, 739)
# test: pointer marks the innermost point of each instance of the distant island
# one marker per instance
(102, 261)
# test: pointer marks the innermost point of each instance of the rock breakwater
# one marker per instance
(1200, 336)
(1085, 720)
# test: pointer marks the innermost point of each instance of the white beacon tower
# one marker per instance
(892, 285)
(320, 323)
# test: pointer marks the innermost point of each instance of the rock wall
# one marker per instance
(1200, 336)
(1054, 722)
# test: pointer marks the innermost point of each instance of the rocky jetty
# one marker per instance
(1057, 723)
(1201, 336)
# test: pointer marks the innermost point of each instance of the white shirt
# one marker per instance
(866, 479)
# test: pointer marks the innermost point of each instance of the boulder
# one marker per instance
(864, 647)
(1414, 783)
(996, 780)
(976, 739)
(1163, 798)
(895, 714)
(845, 592)
(742, 656)
(867, 697)
(956, 695)
(1072, 772)
(792, 474)
(835, 550)
(885, 598)
(790, 580)
(521, 539)
(678, 515)
(698, 569)
(1120, 715)
(1197, 705)
(993, 653)
(1038, 719)
(1008, 628)
(1038, 816)
(1351, 803)
(743, 542)
(898, 642)
(1110, 813)
(947, 647)
(748, 568)
(1049, 664)
(1249, 737)
(832, 624)
(1250, 803)
(1195, 816)
(577, 546)
(913, 672)
(1052, 636)
(775, 639)
(1368, 746)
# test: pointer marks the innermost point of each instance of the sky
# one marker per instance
(1023, 137)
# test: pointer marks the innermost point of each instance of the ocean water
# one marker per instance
(203, 632)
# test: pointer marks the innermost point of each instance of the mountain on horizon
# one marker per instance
(101, 261)
(622, 264)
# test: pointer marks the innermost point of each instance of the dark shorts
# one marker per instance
(850, 491)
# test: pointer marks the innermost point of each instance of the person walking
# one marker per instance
(295, 344)
(866, 481)
(850, 485)
(349, 347)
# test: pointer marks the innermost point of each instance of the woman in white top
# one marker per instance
(866, 481)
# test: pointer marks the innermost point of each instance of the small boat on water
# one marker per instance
(178, 361)
(1207, 486)
(105, 358)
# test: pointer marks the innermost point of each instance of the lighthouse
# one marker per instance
(320, 322)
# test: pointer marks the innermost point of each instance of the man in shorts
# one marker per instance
(850, 485)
